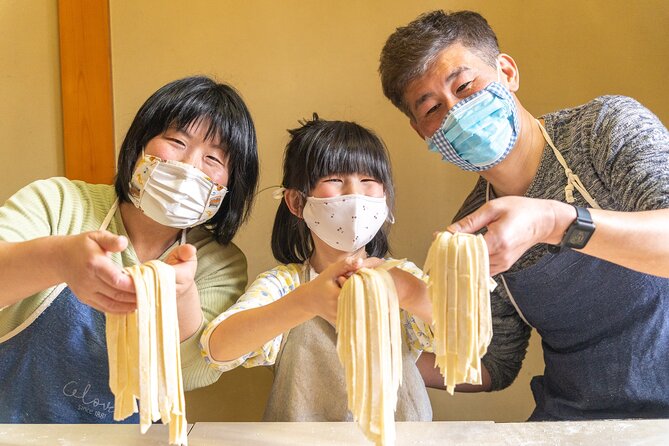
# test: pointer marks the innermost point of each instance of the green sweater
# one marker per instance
(58, 206)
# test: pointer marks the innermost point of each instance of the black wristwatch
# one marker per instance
(578, 233)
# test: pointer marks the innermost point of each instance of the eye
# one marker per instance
(370, 180)
(463, 87)
(215, 159)
(176, 141)
(433, 109)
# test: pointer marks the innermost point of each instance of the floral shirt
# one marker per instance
(281, 280)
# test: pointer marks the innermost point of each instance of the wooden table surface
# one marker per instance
(590, 433)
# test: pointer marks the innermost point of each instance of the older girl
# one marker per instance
(187, 173)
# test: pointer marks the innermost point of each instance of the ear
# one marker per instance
(294, 201)
(415, 127)
(510, 73)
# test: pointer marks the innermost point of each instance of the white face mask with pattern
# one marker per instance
(174, 194)
(345, 222)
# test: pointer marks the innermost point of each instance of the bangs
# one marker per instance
(212, 111)
(346, 149)
(340, 160)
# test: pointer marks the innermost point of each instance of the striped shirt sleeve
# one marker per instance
(267, 288)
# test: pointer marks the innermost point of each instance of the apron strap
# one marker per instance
(573, 181)
(513, 301)
(35, 314)
(112, 211)
(109, 216)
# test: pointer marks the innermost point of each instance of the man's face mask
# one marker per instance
(346, 222)
(174, 194)
(480, 130)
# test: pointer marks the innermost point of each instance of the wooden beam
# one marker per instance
(86, 85)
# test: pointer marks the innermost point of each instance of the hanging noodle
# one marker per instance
(459, 286)
(369, 345)
(144, 353)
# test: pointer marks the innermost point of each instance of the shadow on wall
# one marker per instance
(238, 395)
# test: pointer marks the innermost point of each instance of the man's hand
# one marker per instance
(515, 224)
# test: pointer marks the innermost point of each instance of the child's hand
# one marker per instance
(370, 262)
(412, 294)
(323, 292)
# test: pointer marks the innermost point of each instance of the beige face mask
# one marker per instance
(174, 194)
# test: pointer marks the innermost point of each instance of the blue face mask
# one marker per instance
(479, 131)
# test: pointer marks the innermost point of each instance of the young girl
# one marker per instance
(332, 220)
(187, 172)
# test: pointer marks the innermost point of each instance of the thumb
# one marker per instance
(109, 242)
(472, 222)
(346, 266)
(180, 254)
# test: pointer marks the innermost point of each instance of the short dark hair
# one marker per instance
(193, 100)
(410, 50)
(317, 149)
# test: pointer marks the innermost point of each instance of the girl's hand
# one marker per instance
(323, 292)
(412, 294)
(183, 259)
(85, 265)
(370, 262)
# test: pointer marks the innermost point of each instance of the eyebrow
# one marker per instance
(453, 74)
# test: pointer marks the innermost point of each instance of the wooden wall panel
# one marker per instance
(86, 82)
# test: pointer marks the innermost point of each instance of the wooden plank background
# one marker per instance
(86, 83)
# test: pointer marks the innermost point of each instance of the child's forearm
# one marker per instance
(247, 330)
(433, 378)
(412, 294)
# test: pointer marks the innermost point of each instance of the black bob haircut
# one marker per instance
(191, 100)
(317, 149)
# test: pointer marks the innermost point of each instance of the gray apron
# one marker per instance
(309, 383)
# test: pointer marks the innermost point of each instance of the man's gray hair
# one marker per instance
(410, 50)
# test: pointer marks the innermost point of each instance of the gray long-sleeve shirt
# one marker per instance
(620, 151)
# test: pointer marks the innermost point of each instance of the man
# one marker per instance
(575, 209)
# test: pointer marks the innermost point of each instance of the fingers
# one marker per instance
(502, 255)
(105, 304)
(181, 254)
(344, 267)
(114, 277)
(372, 262)
(352, 263)
(109, 242)
(474, 221)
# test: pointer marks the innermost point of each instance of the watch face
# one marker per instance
(580, 231)
(578, 238)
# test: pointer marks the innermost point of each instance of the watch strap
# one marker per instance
(582, 226)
